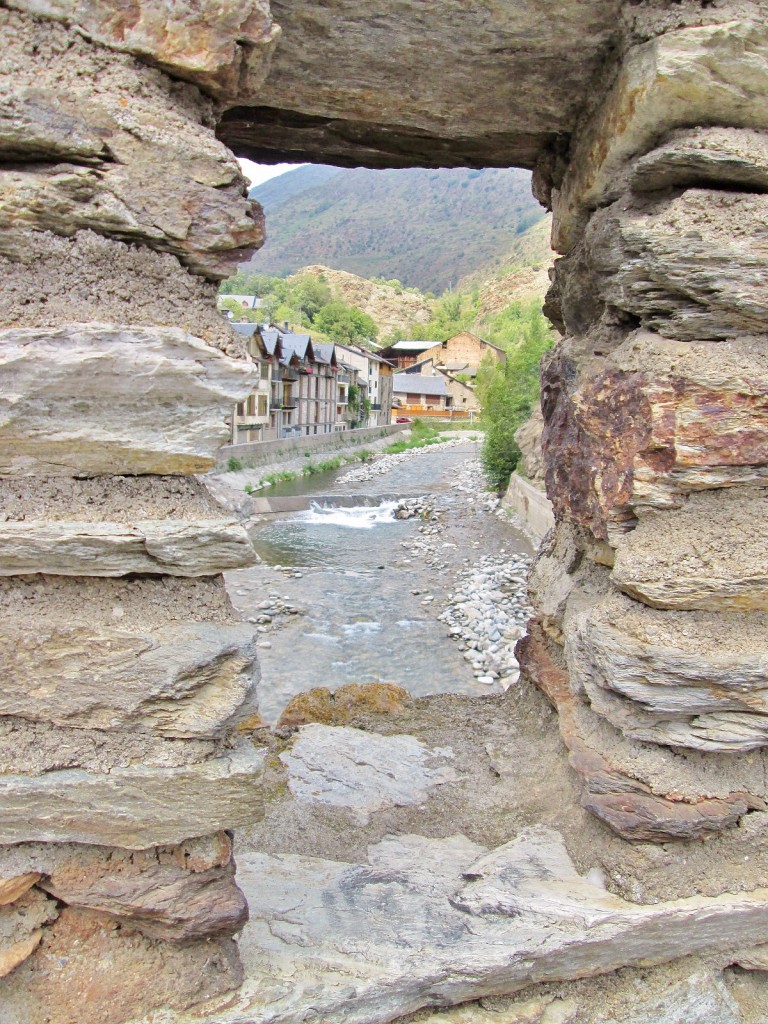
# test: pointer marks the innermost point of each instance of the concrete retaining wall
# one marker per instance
(265, 453)
(531, 505)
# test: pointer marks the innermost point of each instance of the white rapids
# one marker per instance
(357, 517)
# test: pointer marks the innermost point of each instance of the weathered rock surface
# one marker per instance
(702, 997)
(223, 47)
(164, 892)
(528, 438)
(12, 888)
(691, 267)
(458, 922)
(614, 790)
(362, 115)
(21, 928)
(736, 158)
(84, 400)
(141, 163)
(363, 771)
(90, 970)
(709, 555)
(663, 419)
(192, 679)
(691, 680)
(134, 807)
(172, 547)
(680, 79)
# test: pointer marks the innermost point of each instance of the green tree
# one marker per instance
(507, 393)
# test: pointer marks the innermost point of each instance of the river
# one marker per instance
(362, 604)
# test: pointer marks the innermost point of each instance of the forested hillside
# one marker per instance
(427, 228)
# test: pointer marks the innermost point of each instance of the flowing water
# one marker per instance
(368, 614)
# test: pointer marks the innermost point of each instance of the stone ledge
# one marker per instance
(693, 76)
(169, 547)
(86, 400)
(134, 807)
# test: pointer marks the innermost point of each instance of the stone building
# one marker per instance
(128, 745)
(464, 352)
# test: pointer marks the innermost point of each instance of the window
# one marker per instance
(262, 405)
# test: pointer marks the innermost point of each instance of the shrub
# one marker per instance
(234, 465)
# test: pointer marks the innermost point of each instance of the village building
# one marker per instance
(405, 353)
(464, 352)
(463, 399)
(375, 377)
(247, 302)
(252, 419)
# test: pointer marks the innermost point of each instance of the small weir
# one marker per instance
(368, 600)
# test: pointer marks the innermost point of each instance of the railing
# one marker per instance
(430, 412)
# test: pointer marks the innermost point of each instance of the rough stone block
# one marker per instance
(222, 47)
(710, 555)
(88, 400)
(660, 420)
(165, 892)
(134, 807)
(188, 680)
(709, 74)
(665, 807)
(90, 970)
(735, 158)
(696, 680)
(692, 267)
(461, 922)
(12, 888)
(174, 548)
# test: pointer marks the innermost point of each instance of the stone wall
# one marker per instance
(652, 592)
(128, 681)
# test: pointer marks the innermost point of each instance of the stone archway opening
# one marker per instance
(127, 680)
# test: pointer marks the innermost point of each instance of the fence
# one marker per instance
(422, 412)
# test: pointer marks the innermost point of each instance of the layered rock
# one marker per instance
(126, 673)
(651, 591)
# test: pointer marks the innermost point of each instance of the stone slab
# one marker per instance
(431, 922)
(105, 399)
(181, 680)
(363, 771)
(703, 75)
(615, 790)
(169, 547)
(21, 928)
(134, 807)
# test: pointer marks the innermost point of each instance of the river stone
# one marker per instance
(443, 921)
(710, 555)
(134, 807)
(192, 679)
(362, 771)
(693, 680)
(691, 266)
(85, 400)
(709, 74)
(171, 547)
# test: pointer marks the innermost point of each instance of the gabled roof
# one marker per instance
(299, 345)
(325, 354)
(417, 368)
(415, 384)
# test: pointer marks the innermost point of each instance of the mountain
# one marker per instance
(277, 191)
(427, 228)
